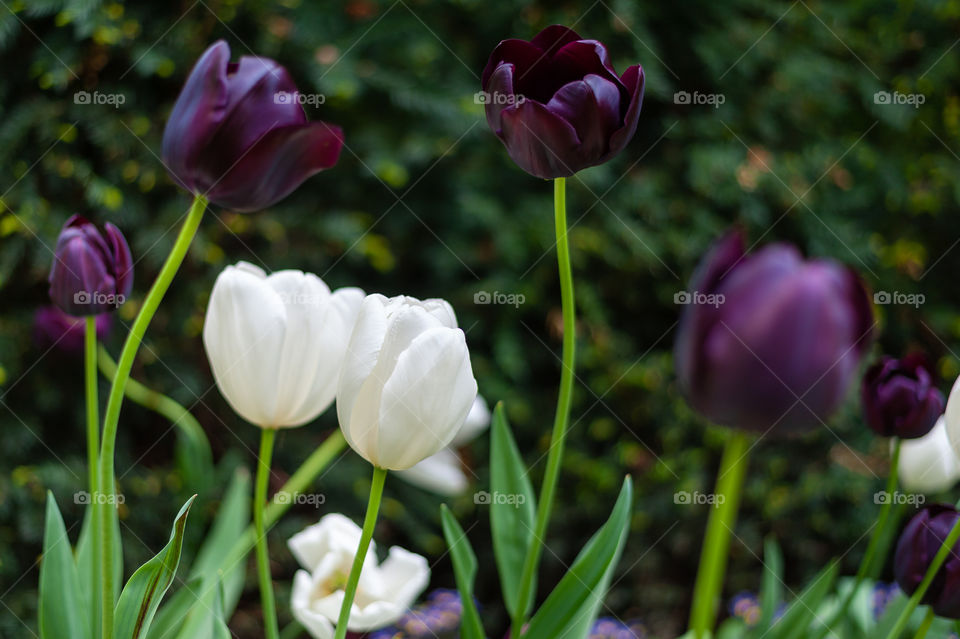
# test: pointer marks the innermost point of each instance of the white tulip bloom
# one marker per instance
(952, 415)
(406, 386)
(442, 473)
(326, 551)
(276, 343)
(928, 464)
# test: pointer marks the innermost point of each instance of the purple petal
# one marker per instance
(540, 142)
(554, 37)
(592, 106)
(633, 80)
(122, 260)
(499, 86)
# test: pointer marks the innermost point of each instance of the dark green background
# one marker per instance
(425, 201)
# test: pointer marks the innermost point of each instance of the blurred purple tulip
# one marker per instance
(92, 272)
(557, 104)
(899, 398)
(238, 134)
(53, 327)
(770, 339)
(920, 540)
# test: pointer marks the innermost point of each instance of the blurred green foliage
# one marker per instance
(426, 202)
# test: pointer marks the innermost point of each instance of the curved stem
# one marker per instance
(93, 441)
(935, 565)
(925, 625)
(867, 567)
(716, 543)
(108, 511)
(267, 437)
(562, 417)
(369, 521)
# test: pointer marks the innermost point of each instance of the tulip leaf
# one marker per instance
(141, 596)
(88, 571)
(62, 613)
(570, 610)
(772, 592)
(511, 520)
(465, 572)
(795, 622)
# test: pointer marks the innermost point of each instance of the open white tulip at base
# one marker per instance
(929, 464)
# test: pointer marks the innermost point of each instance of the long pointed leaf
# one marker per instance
(465, 571)
(795, 622)
(62, 613)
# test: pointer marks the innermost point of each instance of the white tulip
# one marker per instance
(326, 551)
(928, 464)
(276, 343)
(406, 386)
(442, 473)
(952, 416)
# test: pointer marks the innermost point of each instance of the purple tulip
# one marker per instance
(238, 134)
(919, 542)
(557, 104)
(899, 398)
(92, 272)
(770, 339)
(52, 327)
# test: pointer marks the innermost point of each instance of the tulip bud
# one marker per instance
(899, 398)
(92, 272)
(54, 328)
(406, 386)
(276, 343)
(238, 134)
(928, 464)
(919, 543)
(770, 339)
(557, 104)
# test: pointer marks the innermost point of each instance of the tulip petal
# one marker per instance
(122, 260)
(498, 89)
(540, 142)
(478, 420)
(633, 80)
(316, 624)
(592, 107)
(553, 37)
(277, 164)
(440, 473)
(928, 464)
(404, 576)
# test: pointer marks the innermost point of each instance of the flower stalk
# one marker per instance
(93, 436)
(267, 438)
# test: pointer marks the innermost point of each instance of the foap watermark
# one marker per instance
(110, 99)
(84, 298)
(697, 99)
(300, 499)
(483, 498)
(895, 97)
(506, 99)
(496, 297)
(885, 298)
(295, 97)
(699, 299)
(696, 498)
(898, 498)
(84, 498)
(299, 298)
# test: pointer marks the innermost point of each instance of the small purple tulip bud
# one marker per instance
(54, 328)
(557, 104)
(899, 398)
(770, 339)
(92, 272)
(239, 136)
(919, 542)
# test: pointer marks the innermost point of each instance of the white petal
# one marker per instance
(953, 417)
(478, 420)
(404, 575)
(318, 625)
(426, 399)
(334, 533)
(928, 464)
(440, 473)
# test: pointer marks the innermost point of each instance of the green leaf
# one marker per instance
(142, 594)
(62, 613)
(795, 622)
(511, 524)
(89, 575)
(772, 591)
(465, 571)
(572, 607)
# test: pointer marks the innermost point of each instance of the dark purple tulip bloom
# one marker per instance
(918, 544)
(92, 272)
(53, 327)
(238, 134)
(557, 104)
(899, 398)
(770, 339)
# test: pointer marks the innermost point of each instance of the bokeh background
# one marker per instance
(425, 201)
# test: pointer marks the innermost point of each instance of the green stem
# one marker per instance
(369, 521)
(925, 626)
(93, 440)
(562, 417)
(867, 567)
(267, 438)
(935, 565)
(716, 543)
(108, 511)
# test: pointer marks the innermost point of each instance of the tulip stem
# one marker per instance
(369, 522)
(108, 511)
(267, 438)
(93, 438)
(925, 625)
(938, 560)
(716, 543)
(867, 567)
(562, 417)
